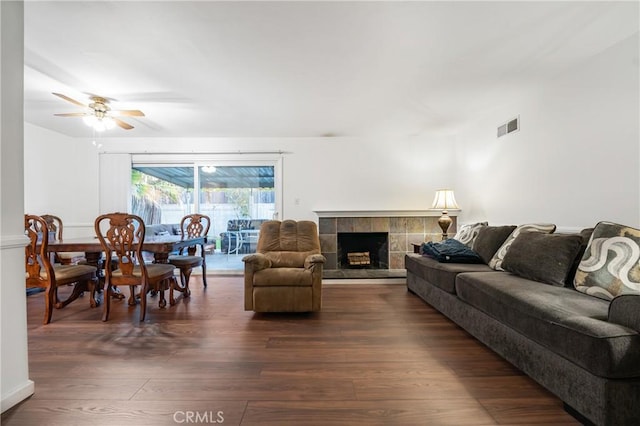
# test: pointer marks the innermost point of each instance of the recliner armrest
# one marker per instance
(625, 310)
(257, 261)
(313, 259)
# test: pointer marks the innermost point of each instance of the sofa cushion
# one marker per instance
(163, 229)
(441, 275)
(489, 240)
(547, 258)
(498, 257)
(609, 266)
(625, 310)
(468, 233)
(569, 323)
(278, 277)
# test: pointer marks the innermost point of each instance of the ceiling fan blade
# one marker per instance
(72, 114)
(68, 99)
(122, 124)
(128, 112)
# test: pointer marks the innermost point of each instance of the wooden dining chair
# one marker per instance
(121, 236)
(54, 223)
(41, 273)
(191, 226)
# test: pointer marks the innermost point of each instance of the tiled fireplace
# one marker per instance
(401, 228)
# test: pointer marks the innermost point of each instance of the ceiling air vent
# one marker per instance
(509, 127)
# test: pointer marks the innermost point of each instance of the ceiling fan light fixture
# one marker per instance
(98, 115)
(89, 120)
(108, 123)
(99, 126)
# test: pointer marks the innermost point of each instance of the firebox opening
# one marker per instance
(368, 250)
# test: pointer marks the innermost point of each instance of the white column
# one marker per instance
(15, 383)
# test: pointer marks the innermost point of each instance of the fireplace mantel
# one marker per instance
(381, 213)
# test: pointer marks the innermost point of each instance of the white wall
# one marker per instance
(61, 178)
(576, 159)
(332, 173)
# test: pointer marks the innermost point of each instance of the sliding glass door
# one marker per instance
(237, 197)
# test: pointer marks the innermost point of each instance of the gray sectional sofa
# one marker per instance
(584, 349)
(163, 229)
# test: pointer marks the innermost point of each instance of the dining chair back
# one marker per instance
(42, 273)
(191, 226)
(54, 223)
(121, 236)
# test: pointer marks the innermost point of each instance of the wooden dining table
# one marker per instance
(160, 245)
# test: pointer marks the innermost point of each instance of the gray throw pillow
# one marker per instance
(489, 240)
(546, 258)
(545, 228)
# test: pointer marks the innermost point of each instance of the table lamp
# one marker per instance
(444, 201)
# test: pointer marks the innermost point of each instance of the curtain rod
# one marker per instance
(204, 153)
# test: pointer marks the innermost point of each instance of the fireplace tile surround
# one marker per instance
(403, 227)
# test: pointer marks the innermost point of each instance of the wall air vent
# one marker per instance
(510, 126)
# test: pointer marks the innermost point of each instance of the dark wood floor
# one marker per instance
(376, 354)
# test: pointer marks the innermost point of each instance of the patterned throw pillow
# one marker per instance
(496, 261)
(468, 233)
(609, 266)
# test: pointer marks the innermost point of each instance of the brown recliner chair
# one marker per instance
(285, 274)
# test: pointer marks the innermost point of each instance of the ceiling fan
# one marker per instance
(98, 113)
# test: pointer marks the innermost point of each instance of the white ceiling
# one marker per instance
(302, 69)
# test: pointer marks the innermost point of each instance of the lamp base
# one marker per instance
(444, 222)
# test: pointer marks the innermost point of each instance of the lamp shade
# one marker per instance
(445, 200)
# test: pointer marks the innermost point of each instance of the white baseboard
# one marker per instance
(18, 395)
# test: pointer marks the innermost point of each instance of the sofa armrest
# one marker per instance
(313, 259)
(257, 261)
(625, 310)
